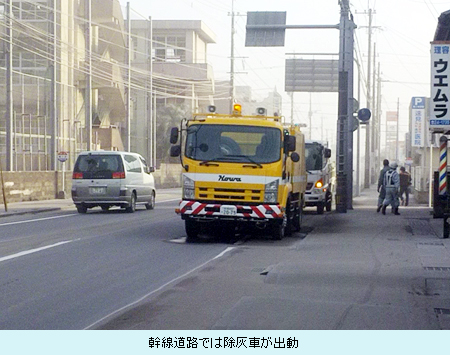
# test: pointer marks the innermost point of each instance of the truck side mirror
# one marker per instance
(289, 143)
(175, 151)
(174, 135)
(327, 153)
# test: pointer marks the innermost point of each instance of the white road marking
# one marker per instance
(69, 215)
(31, 251)
(36, 220)
(159, 288)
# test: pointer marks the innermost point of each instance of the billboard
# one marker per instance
(440, 90)
(418, 122)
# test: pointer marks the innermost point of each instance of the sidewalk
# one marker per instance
(354, 270)
(18, 208)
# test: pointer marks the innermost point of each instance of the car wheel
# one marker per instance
(151, 203)
(132, 207)
(81, 209)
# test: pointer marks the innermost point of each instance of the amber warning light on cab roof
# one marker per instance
(237, 109)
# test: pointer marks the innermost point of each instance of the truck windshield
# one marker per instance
(233, 143)
(314, 156)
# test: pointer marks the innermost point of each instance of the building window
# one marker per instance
(26, 10)
(170, 49)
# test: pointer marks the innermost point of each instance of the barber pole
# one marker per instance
(443, 166)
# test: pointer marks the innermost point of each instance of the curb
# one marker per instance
(33, 211)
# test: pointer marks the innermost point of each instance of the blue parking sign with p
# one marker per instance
(418, 102)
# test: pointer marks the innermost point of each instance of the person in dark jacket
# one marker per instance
(405, 183)
(381, 190)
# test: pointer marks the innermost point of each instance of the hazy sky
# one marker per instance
(402, 32)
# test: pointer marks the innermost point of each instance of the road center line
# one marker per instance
(160, 288)
(31, 251)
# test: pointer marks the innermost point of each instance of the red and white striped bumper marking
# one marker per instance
(194, 208)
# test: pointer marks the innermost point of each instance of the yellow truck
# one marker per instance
(240, 172)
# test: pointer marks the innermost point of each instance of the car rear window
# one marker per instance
(98, 166)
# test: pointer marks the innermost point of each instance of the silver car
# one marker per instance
(111, 178)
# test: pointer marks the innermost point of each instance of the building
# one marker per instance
(173, 67)
(50, 74)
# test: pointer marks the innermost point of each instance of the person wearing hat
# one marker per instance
(391, 183)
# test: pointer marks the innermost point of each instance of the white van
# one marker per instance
(111, 178)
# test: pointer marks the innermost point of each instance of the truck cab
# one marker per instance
(240, 171)
(319, 187)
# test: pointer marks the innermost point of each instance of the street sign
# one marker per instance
(265, 29)
(440, 89)
(311, 75)
(364, 114)
(62, 156)
(418, 122)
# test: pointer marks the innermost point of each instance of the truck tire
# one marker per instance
(192, 230)
(279, 229)
(329, 198)
(298, 217)
(320, 207)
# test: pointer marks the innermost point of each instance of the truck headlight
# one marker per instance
(188, 188)
(271, 192)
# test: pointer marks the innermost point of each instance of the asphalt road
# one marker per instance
(64, 270)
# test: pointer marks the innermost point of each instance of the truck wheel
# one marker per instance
(298, 218)
(329, 201)
(192, 230)
(279, 229)
(320, 207)
(227, 232)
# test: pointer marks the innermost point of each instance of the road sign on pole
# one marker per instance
(265, 29)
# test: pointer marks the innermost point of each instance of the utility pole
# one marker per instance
(310, 117)
(232, 98)
(128, 129)
(378, 138)
(149, 91)
(398, 123)
(53, 109)
(9, 88)
(88, 63)
(374, 130)
(368, 125)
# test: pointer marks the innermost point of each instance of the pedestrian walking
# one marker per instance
(391, 183)
(381, 190)
(405, 183)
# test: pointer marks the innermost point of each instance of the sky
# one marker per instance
(402, 31)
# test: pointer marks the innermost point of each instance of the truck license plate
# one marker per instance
(97, 190)
(228, 210)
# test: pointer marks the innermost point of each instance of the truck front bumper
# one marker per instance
(313, 199)
(214, 211)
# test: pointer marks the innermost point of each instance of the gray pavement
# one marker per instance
(357, 270)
